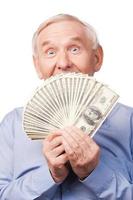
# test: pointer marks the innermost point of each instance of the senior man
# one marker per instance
(68, 164)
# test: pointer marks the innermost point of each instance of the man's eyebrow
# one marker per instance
(76, 39)
(47, 42)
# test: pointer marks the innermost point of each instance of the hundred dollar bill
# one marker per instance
(97, 110)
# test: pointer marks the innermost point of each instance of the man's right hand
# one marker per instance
(56, 157)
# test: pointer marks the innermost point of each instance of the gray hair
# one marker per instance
(62, 17)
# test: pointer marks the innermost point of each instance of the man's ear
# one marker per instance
(37, 66)
(98, 59)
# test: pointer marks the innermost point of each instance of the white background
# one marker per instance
(112, 19)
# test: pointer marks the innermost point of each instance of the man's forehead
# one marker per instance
(60, 27)
(68, 39)
(63, 30)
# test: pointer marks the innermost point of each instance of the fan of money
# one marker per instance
(68, 99)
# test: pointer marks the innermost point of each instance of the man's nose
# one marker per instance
(63, 61)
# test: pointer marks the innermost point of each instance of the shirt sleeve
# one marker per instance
(109, 182)
(30, 185)
(106, 183)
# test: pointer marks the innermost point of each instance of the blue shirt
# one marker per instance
(24, 174)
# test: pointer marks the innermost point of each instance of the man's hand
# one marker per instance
(56, 157)
(83, 153)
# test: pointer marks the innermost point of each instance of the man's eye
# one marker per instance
(75, 50)
(51, 53)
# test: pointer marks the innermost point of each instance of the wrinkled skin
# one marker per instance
(70, 144)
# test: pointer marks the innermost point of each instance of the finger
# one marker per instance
(84, 144)
(93, 147)
(50, 145)
(70, 151)
(52, 135)
(58, 151)
(77, 134)
(56, 142)
(70, 139)
(82, 137)
(62, 159)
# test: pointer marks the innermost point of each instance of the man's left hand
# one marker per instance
(83, 153)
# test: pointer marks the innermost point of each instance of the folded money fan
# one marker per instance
(68, 99)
